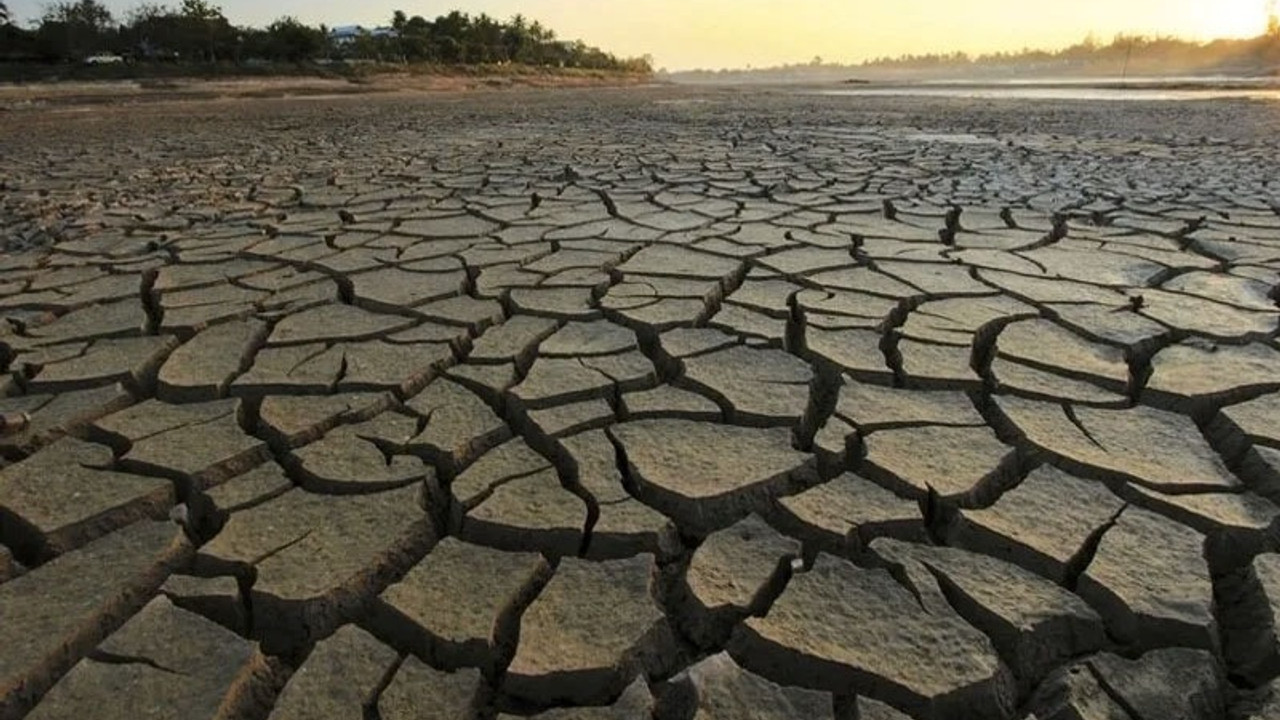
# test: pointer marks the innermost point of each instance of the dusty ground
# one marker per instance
(21, 96)
(663, 402)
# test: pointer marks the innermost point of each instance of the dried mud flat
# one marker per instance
(640, 404)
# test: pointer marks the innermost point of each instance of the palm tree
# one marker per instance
(4, 14)
(516, 39)
(540, 33)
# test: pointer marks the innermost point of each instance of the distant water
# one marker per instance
(1237, 81)
(1169, 88)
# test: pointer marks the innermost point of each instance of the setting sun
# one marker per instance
(1227, 18)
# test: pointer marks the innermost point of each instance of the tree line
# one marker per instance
(1140, 51)
(1124, 54)
(197, 32)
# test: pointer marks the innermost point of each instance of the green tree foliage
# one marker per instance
(76, 29)
(15, 43)
(461, 38)
(89, 13)
(205, 28)
(289, 39)
(196, 31)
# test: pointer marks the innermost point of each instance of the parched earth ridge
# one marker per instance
(655, 403)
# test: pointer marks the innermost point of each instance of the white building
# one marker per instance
(347, 34)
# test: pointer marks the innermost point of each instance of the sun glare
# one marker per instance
(1229, 19)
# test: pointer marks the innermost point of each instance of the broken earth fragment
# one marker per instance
(718, 688)
(212, 673)
(735, 572)
(1044, 524)
(844, 515)
(967, 465)
(338, 679)
(535, 512)
(419, 691)
(84, 595)
(1035, 625)
(65, 495)
(1155, 448)
(593, 629)
(314, 559)
(931, 666)
(460, 606)
(1150, 581)
(670, 465)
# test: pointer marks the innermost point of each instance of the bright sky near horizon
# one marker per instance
(684, 34)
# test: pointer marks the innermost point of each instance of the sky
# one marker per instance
(686, 34)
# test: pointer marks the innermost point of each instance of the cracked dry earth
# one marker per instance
(643, 404)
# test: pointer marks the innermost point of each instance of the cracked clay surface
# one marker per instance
(649, 404)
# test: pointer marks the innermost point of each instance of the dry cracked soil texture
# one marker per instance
(655, 403)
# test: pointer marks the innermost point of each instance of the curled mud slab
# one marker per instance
(648, 403)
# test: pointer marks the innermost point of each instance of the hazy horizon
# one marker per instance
(713, 34)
